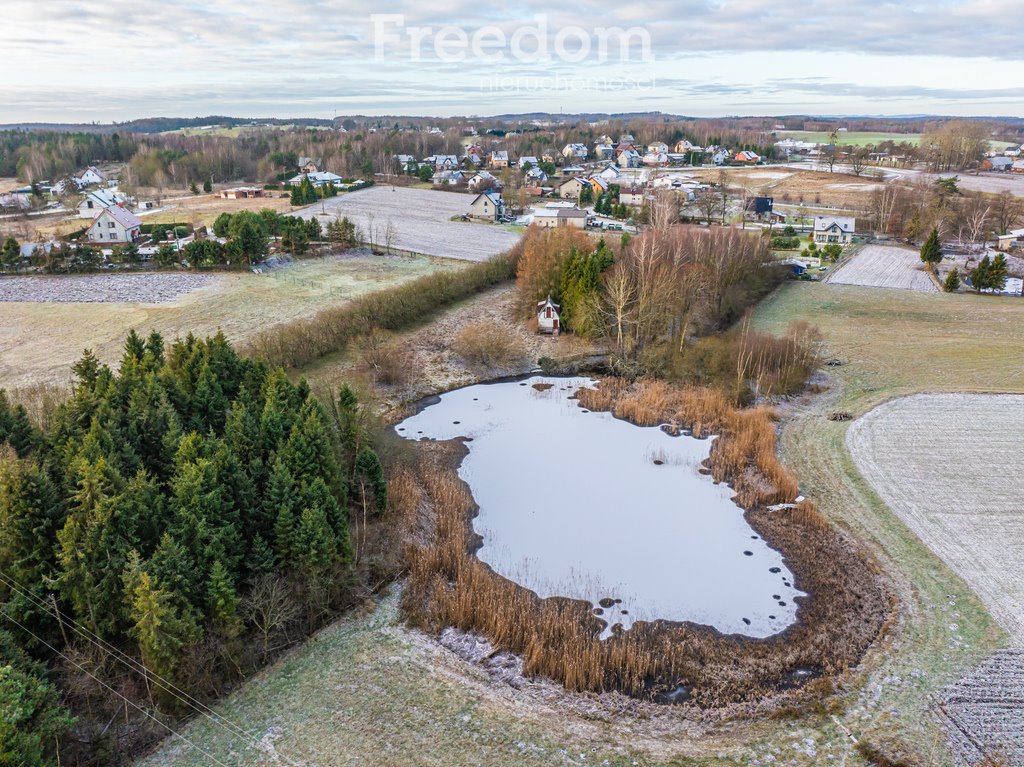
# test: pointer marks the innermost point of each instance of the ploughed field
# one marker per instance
(881, 266)
(952, 467)
(419, 220)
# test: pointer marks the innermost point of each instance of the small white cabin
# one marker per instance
(548, 317)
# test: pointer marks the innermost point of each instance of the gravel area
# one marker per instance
(419, 221)
(154, 288)
(951, 466)
(882, 266)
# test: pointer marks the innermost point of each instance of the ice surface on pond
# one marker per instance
(573, 504)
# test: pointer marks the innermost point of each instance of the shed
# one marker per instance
(548, 317)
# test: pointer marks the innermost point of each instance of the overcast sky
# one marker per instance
(103, 60)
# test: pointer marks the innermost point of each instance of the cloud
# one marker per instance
(199, 56)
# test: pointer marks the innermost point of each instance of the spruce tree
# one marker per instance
(931, 252)
(952, 281)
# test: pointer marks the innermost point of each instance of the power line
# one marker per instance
(133, 665)
(120, 656)
(80, 667)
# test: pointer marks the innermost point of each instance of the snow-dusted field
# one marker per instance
(951, 466)
(585, 505)
(148, 288)
(983, 713)
(882, 266)
(419, 221)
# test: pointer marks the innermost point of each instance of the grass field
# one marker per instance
(807, 188)
(851, 138)
(892, 343)
(39, 340)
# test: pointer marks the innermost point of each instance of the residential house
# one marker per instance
(482, 180)
(1000, 164)
(598, 185)
(548, 157)
(658, 147)
(98, 201)
(448, 177)
(1012, 239)
(721, 157)
(573, 170)
(444, 162)
(241, 193)
(114, 226)
(571, 188)
(684, 147)
(91, 175)
(548, 317)
(630, 158)
(748, 157)
(575, 152)
(528, 161)
(834, 229)
(611, 173)
(655, 159)
(14, 202)
(310, 164)
(552, 218)
(604, 151)
(499, 159)
(317, 179)
(627, 138)
(536, 176)
(632, 197)
(487, 206)
(404, 161)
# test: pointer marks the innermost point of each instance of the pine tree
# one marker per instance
(997, 273)
(952, 282)
(207, 186)
(931, 252)
(11, 253)
(981, 276)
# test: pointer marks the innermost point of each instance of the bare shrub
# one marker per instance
(387, 360)
(489, 345)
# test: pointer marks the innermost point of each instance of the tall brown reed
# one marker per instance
(559, 638)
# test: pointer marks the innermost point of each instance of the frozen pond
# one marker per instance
(573, 504)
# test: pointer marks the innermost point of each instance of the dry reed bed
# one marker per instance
(558, 638)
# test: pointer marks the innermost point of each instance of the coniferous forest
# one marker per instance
(164, 532)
